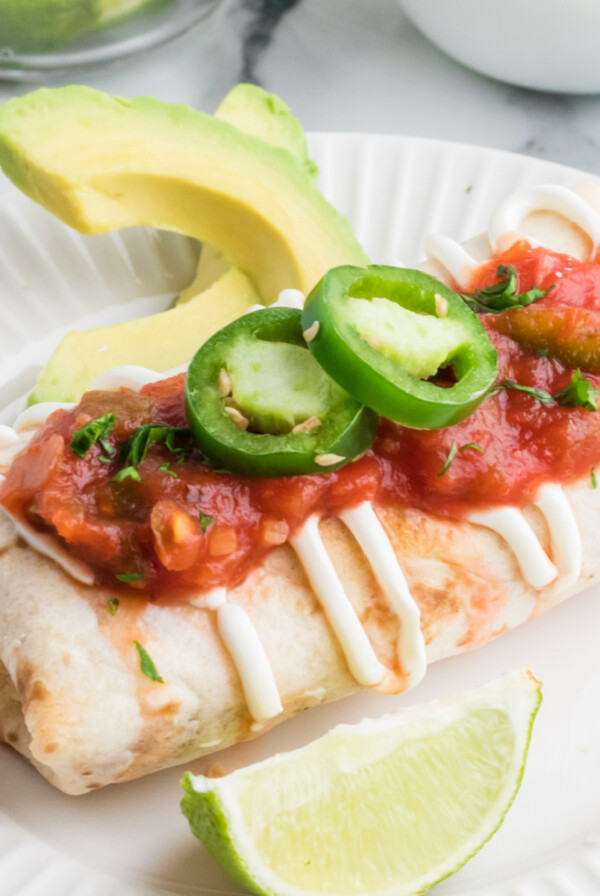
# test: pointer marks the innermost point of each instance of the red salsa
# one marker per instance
(186, 526)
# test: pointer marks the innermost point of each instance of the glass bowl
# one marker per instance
(43, 37)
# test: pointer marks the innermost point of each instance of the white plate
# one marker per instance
(130, 840)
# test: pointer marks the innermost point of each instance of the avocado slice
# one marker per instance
(264, 115)
(100, 163)
(166, 339)
(160, 341)
(32, 26)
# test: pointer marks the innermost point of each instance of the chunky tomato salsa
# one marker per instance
(173, 523)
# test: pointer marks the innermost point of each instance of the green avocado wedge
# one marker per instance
(265, 116)
(160, 341)
(101, 163)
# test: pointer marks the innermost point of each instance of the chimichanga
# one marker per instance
(92, 697)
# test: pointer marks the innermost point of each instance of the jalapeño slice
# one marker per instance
(259, 404)
(401, 342)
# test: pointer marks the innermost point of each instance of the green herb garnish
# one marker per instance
(473, 445)
(579, 393)
(593, 477)
(130, 576)
(113, 605)
(95, 432)
(540, 394)
(503, 295)
(205, 520)
(127, 473)
(166, 468)
(134, 450)
(454, 451)
(451, 455)
(147, 666)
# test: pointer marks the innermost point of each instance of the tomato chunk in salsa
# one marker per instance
(181, 526)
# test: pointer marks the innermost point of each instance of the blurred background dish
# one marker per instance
(543, 44)
(39, 37)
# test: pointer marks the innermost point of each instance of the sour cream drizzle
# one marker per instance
(510, 524)
(371, 536)
(505, 223)
(451, 255)
(51, 547)
(321, 574)
(509, 215)
(564, 532)
(32, 418)
(248, 654)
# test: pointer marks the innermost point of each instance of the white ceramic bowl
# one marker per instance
(544, 44)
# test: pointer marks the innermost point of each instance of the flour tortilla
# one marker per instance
(74, 702)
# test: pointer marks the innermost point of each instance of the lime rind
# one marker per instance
(213, 806)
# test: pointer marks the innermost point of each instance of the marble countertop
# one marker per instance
(348, 65)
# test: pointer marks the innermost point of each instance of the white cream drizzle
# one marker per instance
(565, 536)
(372, 537)
(505, 222)
(356, 647)
(453, 257)
(510, 524)
(248, 654)
(32, 418)
(509, 215)
(128, 376)
(287, 298)
(50, 547)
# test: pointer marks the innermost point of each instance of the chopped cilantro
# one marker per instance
(130, 576)
(454, 451)
(96, 431)
(113, 605)
(473, 445)
(449, 459)
(469, 188)
(127, 473)
(503, 295)
(135, 448)
(579, 393)
(147, 666)
(541, 352)
(540, 394)
(205, 520)
(166, 468)
(593, 477)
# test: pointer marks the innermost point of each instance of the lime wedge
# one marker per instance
(389, 806)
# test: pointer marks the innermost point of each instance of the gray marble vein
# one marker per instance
(260, 31)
